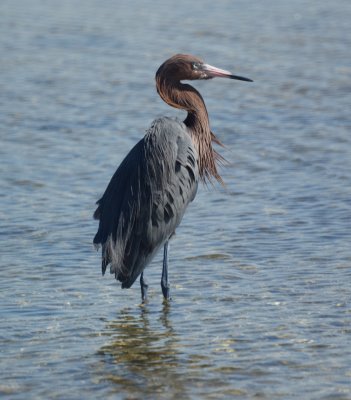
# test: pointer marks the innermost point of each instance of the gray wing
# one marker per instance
(146, 199)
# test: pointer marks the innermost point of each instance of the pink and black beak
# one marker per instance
(213, 72)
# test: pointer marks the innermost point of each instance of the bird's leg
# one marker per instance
(164, 278)
(143, 287)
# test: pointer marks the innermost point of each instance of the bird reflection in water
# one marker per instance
(144, 355)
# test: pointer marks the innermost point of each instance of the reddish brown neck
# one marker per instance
(185, 97)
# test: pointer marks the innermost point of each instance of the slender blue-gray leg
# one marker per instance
(143, 287)
(164, 279)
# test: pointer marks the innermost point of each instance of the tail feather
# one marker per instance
(104, 264)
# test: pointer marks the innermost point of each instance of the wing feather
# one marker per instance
(146, 199)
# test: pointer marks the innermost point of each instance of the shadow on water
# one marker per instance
(144, 355)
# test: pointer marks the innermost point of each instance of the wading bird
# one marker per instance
(147, 196)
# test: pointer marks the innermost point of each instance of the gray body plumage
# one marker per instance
(146, 199)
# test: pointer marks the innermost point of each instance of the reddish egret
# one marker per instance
(147, 196)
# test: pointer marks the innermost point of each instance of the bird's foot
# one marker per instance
(144, 298)
(143, 286)
(166, 292)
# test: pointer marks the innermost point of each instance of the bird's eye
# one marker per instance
(196, 66)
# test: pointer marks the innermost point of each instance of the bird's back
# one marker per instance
(146, 199)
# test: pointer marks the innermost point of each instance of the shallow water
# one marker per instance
(260, 271)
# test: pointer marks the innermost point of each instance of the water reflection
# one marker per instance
(145, 354)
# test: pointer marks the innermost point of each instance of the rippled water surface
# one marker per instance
(260, 270)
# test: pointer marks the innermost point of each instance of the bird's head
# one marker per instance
(187, 67)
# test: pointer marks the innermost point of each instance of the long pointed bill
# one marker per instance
(222, 73)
